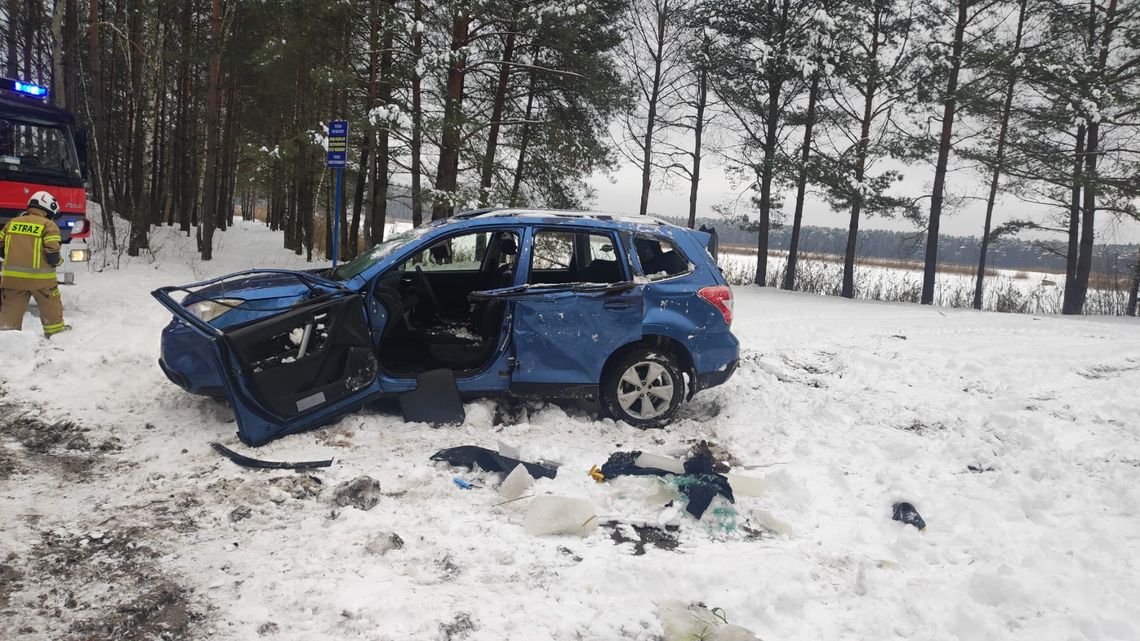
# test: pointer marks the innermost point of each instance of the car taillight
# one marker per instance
(80, 228)
(720, 297)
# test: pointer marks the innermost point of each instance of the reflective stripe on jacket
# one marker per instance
(31, 245)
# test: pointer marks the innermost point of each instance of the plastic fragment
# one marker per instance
(905, 513)
(560, 515)
(516, 484)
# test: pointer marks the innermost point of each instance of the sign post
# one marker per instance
(338, 157)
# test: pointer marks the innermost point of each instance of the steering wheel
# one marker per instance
(424, 284)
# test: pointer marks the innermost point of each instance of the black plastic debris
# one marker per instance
(491, 461)
(905, 513)
(700, 483)
(246, 461)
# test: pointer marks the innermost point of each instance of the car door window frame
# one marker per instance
(577, 251)
(659, 238)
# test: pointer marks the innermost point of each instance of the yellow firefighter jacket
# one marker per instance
(30, 244)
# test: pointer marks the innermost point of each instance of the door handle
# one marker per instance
(618, 304)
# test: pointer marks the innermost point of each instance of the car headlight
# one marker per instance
(208, 310)
(79, 255)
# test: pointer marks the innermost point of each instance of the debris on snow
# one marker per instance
(683, 622)
(246, 461)
(905, 513)
(362, 493)
(490, 461)
(383, 542)
(560, 515)
(516, 484)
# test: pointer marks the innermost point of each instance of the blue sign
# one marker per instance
(338, 143)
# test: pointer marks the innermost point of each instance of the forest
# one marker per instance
(198, 110)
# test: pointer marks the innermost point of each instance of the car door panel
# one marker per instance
(277, 380)
(566, 336)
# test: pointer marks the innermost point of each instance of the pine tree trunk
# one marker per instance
(497, 110)
(698, 132)
(214, 89)
(368, 160)
(651, 118)
(70, 46)
(140, 217)
(186, 151)
(801, 186)
(771, 141)
(379, 194)
(417, 115)
(1134, 287)
(358, 198)
(1074, 230)
(14, 42)
(59, 80)
(861, 152)
(446, 177)
(1076, 304)
(524, 137)
(999, 156)
(949, 109)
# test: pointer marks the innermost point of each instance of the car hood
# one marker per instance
(262, 294)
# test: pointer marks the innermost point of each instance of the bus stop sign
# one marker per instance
(338, 143)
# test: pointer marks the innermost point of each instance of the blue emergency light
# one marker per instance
(26, 88)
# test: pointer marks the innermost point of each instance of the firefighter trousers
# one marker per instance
(14, 302)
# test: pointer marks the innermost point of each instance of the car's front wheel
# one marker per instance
(643, 387)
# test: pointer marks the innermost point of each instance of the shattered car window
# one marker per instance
(660, 258)
(386, 248)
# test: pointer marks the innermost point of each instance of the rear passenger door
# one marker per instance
(579, 304)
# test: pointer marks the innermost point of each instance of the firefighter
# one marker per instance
(30, 247)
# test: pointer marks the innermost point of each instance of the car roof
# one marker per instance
(563, 216)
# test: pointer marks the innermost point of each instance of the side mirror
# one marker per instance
(81, 150)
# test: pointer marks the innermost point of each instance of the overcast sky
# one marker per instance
(622, 193)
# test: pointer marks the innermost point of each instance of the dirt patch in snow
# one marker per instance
(643, 536)
(96, 585)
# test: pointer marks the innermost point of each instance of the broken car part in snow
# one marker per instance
(695, 476)
(905, 513)
(490, 461)
(516, 483)
(246, 461)
(435, 399)
(560, 515)
(685, 622)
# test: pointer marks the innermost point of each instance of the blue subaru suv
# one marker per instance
(631, 311)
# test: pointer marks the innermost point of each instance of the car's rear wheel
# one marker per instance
(643, 387)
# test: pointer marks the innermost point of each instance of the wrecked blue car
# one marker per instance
(630, 311)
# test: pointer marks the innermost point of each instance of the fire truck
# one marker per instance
(42, 149)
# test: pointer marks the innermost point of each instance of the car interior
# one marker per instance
(433, 324)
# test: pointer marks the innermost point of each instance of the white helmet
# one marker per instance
(46, 202)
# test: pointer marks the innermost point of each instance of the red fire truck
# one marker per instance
(42, 149)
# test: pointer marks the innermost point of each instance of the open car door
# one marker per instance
(296, 369)
(562, 334)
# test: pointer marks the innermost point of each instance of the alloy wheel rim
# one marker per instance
(645, 390)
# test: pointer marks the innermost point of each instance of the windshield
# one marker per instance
(42, 152)
(361, 263)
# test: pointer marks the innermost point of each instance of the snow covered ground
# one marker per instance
(1013, 435)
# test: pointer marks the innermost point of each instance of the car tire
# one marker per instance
(643, 387)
